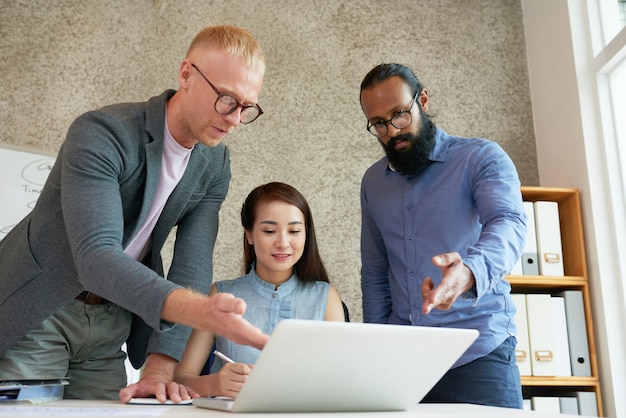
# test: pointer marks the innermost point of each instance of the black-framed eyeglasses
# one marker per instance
(400, 120)
(225, 104)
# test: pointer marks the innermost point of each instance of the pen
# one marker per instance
(224, 357)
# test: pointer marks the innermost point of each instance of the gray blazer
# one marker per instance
(96, 198)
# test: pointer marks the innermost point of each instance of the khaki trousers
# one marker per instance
(80, 342)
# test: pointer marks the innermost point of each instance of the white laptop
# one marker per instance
(323, 366)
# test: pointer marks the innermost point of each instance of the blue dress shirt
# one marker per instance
(469, 201)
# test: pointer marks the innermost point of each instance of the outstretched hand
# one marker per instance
(456, 278)
(221, 314)
(223, 317)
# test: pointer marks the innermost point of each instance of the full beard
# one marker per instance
(413, 158)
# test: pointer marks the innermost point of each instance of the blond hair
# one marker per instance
(231, 40)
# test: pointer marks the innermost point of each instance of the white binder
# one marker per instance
(522, 349)
(530, 262)
(541, 334)
(548, 231)
(546, 404)
(563, 366)
(577, 332)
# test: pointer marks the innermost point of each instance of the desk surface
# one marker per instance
(68, 408)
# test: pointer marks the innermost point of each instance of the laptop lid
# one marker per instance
(323, 366)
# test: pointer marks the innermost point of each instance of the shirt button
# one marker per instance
(274, 295)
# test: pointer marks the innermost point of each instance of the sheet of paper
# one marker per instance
(155, 401)
(50, 411)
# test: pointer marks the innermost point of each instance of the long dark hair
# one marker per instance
(310, 266)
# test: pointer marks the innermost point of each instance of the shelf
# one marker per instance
(570, 216)
(575, 278)
(567, 381)
(535, 284)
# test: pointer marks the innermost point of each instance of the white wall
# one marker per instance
(570, 153)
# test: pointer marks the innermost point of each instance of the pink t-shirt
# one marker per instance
(173, 165)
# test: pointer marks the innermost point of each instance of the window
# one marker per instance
(612, 14)
(601, 67)
(607, 28)
(617, 86)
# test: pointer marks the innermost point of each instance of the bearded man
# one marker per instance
(443, 222)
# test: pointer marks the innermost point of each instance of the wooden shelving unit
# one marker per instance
(575, 267)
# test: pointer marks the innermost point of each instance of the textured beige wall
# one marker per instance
(61, 58)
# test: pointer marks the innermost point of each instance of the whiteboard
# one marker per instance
(23, 173)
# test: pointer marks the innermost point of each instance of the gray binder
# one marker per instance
(587, 404)
(530, 260)
(577, 332)
(569, 405)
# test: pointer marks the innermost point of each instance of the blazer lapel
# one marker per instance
(154, 152)
(154, 125)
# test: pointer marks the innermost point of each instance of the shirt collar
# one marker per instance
(265, 288)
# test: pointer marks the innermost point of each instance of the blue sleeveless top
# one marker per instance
(266, 306)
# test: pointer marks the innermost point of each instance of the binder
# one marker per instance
(530, 263)
(577, 332)
(587, 404)
(563, 366)
(32, 391)
(546, 404)
(522, 349)
(541, 334)
(569, 405)
(548, 229)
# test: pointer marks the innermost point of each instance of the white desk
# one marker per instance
(69, 409)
